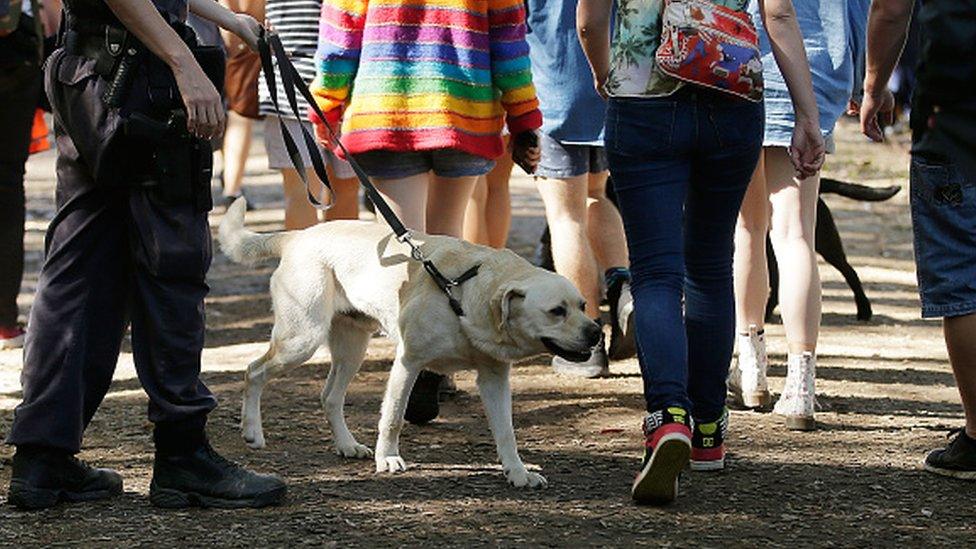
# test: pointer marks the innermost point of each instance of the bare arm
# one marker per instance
(593, 28)
(887, 31)
(779, 18)
(204, 110)
(242, 25)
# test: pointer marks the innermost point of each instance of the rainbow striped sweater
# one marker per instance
(412, 75)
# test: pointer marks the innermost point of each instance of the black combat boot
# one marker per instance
(43, 477)
(188, 472)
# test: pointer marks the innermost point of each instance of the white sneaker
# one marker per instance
(598, 365)
(799, 401)
(747, 377)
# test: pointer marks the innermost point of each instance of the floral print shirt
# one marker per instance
(633, 72)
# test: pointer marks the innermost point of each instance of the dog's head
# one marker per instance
(545, 312)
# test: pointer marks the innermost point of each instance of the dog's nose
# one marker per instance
(592, 332)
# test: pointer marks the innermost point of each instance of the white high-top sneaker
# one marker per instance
(747, 378)
(799, 401)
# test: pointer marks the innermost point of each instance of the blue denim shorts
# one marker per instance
(944, 222)
(443, 162)
(564, 160)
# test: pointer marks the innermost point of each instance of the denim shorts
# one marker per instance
(944, 223)
(443, 162)
(564, 160)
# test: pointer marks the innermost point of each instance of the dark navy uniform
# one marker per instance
(121, 251)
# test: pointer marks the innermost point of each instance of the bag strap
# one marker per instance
(269, 44)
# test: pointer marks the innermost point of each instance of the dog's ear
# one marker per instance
(501, 304)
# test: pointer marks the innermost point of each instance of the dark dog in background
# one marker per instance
(828, 242)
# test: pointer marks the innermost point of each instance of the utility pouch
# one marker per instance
(182, 165)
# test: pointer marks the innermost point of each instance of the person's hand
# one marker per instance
(525, 150)
(806, 148)
(874, 106)
(853, 108)
(600, 84)
(248, 29)
(324, 136)
(205, 114)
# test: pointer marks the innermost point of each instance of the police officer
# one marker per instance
(129, 245)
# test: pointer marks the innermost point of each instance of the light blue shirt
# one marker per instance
(572, 111)
(833, 35)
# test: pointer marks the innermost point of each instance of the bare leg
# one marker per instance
(446, 202)
(496, 394)
(346, 202)
(394, 406)
(299, 212)
(751, 272)
(407, 197)
(475, 218)
(604, 227)
(237, 145)
(498, 207)
(565, 201)
(793, 228)
(960, 336)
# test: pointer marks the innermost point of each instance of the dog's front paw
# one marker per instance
(354, 450)
(390, 464)
(522, 478)
(253, 435)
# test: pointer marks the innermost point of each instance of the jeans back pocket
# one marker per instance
(640, 127)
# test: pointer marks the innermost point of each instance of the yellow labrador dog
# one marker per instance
(338, 282)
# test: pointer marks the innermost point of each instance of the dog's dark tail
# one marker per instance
(857, 192)
(242, 245)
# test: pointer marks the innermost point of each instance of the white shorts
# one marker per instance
(278, 157)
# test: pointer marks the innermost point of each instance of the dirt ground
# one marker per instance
(886, 389)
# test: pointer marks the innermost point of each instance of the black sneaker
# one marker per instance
(424, 403)
(667, 448)
(623, 344)
(957, 459)
(43, 478)
(203, 478)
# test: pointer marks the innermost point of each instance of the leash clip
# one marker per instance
(415, 251)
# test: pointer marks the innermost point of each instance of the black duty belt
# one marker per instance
(270, 46)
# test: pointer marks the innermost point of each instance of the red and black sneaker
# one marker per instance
(11, 337)
(667, 447)
(708, 444)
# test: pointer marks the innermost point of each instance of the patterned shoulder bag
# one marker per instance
(710, 45)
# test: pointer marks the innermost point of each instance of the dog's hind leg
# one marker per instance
(830, 246)
(347, 341)
(402, 379)
(300, 326)
(496, 393)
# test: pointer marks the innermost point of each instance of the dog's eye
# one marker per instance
(582, 306)
(558, 311)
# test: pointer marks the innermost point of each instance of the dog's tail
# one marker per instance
(242, 245)
(858, 192)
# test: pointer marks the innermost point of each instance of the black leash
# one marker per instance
(270, 45)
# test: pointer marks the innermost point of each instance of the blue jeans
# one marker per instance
(680, 167)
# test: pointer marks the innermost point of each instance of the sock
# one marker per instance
(615, 274)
